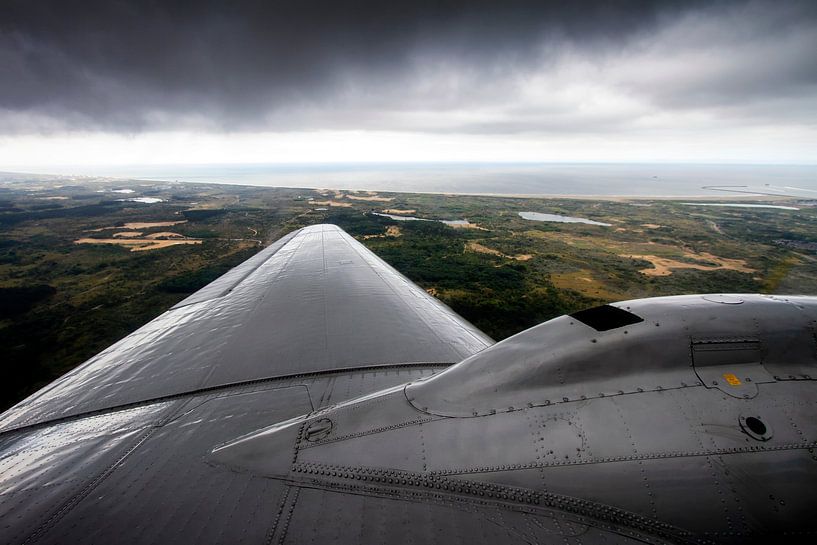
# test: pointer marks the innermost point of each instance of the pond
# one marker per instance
(452, 223)
(145, 200)
(538, 216)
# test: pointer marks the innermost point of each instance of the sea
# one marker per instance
(556, 179)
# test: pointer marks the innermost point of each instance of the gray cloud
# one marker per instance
(458, 66)
(752, 52)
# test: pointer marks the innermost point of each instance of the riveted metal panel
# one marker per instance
(566, 361)
(46, 471)
(145, 475)
(732, 365)
(372, 516)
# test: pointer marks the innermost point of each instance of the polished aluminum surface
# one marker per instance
(682, 341)
(307, 397)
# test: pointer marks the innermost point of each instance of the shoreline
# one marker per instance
(726, 195)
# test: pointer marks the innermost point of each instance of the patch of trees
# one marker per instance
(718, 281)
(199, 215)
(191, 281)
(499, 296)
(16, 301)
(85, 211)
(505, 313)
(358, 224)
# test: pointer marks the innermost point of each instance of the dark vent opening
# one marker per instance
(756, 425)
(605, 317)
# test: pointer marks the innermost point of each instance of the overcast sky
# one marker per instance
(121, 81)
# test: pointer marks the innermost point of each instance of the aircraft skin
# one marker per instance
(315, 395)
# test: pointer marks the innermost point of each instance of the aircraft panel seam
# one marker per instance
(136, 404)
(634, 458)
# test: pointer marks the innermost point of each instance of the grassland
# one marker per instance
(62, 301)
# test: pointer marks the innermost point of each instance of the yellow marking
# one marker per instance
(731, 379)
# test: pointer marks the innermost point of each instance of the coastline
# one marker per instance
(717, 193)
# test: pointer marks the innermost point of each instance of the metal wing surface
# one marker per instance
(315, 301)
(307, 397)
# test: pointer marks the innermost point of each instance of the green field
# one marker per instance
(61, 302)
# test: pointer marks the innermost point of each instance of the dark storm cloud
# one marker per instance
(129, 65)
(748, 51)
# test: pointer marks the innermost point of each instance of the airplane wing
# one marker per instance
(309, 396)
(315, 301)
